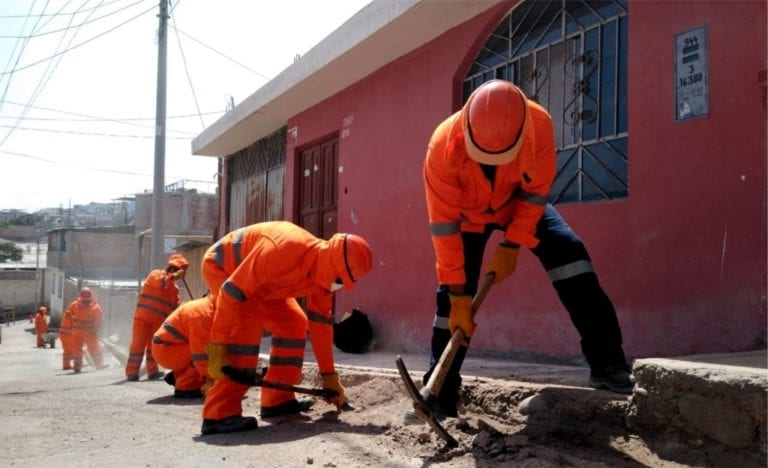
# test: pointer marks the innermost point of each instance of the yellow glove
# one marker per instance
(504, 261)
(179, 274)
(461, 315)
(217, 358)
(207, 385)
(331, 382)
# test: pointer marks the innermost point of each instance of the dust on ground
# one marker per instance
(492, 431)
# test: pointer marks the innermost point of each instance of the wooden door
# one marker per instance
(318, 194)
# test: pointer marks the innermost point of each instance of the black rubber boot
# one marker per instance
(616, 379)
(194, 393)
(288, 407)
(230, 424)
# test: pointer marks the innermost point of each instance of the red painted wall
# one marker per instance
(683, 258)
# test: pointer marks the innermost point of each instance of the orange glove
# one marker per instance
(461, 315)
(331, 382)
(504, 261)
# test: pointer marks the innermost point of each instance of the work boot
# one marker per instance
(230, 424)
(77, 370)
(616, 379)
(289, 407)
(132, 378)
(440, 413)
(156, 375)
(194, 393)
(170, 379)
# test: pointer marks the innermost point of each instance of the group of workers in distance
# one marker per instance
(80, 326)
(489, 166)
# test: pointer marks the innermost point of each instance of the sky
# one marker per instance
(78, 88)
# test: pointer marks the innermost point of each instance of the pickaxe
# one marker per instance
(252, 378)
(424, 400)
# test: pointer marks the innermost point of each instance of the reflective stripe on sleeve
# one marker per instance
(243, 350)
(237, 246)
(235, 292)
(317, 317)
(174, 332)
(532, 198)
(444, 229)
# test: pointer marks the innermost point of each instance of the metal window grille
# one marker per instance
(570, 56)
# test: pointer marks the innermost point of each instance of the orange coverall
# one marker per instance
(86, 326)
(41, 327)
(179, 344)
(65, 335)
(158, 298)
(254, 274)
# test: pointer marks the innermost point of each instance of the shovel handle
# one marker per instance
(436, 380)
(189, 291)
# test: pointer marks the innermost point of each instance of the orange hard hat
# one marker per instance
(351, 256)
(495, 120)
(86, 294)
(178, 261)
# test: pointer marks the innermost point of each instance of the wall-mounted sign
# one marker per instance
(691, 74)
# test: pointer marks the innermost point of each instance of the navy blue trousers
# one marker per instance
(564, 257)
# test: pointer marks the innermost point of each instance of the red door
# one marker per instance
(318, 188)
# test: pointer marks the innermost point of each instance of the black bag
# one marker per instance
(354, 333)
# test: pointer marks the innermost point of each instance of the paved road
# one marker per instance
(51, 417)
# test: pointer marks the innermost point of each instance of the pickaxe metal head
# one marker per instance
(423, 406)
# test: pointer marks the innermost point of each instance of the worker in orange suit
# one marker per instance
(179, 345)
(158, 298)
(87, 320)
(41, 326)
(65, 335)
(490, 166)
(254, 275)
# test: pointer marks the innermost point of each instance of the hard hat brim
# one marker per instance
(496, 159)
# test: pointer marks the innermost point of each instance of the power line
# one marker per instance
(46, 76)
(58, 14)
(90, 167)
(77, 26)
(30, 65)
(81, 166)
(71, 132)
(223, 55)
(186, 69)
(92, 117)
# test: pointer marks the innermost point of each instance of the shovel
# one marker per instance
(424, 400)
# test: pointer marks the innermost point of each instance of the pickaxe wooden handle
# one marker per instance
(424, 400)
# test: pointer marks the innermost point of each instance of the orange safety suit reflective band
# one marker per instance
(158, 298)
(65, 336)
(181, 338)
(255, 273)
(267, 262)
(86, 326)
(41, 327)
(461, 198)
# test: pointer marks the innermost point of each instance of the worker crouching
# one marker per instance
(179, 345)
(254, 275)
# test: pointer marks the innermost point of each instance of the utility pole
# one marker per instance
(158, 232)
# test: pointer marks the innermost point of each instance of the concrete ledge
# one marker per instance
(700, 397)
